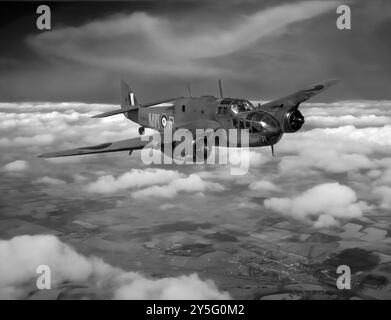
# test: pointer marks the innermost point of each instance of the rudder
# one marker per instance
(128, 99)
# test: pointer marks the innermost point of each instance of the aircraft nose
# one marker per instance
(270, 126)
(265, 125)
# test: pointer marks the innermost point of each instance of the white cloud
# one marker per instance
(263, 185)
(384, 192)
(160, 46)
(262, 188)
(171, 206)
(334, 150)
(355, 108)
(49, 180)
(134, 179)
(385, 175)
(327, 160)
(324, 205)
(15, 166)
(191, 184)
(243, 158)
(346, 139)
(20, 257)
(180, 288)
(248, 205)
(344, 120)
(47, 127)
(157, 183)
(37, 140)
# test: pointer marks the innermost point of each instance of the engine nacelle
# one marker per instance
(292, 121)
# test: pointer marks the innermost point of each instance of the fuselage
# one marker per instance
(208, 112)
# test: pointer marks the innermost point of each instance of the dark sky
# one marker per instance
(261, 49)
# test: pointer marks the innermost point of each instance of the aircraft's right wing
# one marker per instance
(123, 145)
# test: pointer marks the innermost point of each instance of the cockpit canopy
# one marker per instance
(235, 105)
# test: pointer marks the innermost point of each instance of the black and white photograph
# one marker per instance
(195, 150)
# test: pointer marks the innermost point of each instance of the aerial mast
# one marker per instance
(188, 89)
(221, 89)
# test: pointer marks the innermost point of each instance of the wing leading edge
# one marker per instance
(123, 145)
(300, 96)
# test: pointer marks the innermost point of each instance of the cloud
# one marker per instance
(22, 255)
(191, 184)
(147, 44)
(348, 139)
(384, 192)
(181, 288)
(157, 183)
(243, 158)
(334, 150)
(172, 206)
(134, 179)
(16, 166)
(37, 140)
(263, 185)
(351, 108)
(324, 205)
(385, 175)
(263, 188)
(338, 121)
(49, 180)
(40, 126)
(327, 160)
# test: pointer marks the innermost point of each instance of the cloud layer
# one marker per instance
(16, 166)
(325, 204)
(22, 255)
(145, 43)
(153, 183)
(361, 152)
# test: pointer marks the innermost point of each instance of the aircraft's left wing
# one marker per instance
(298, 97)
(123, 145)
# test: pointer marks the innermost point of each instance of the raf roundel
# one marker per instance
(163, 121)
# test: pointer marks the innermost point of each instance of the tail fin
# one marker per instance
(129, 103)
(128, 98)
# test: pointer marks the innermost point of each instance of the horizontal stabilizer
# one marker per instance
(115, 112)
(130, 108)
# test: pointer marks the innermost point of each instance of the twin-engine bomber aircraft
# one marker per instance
(266, 123)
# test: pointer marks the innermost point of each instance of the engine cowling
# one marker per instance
(293, 120)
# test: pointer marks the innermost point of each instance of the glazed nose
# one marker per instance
(270, 126)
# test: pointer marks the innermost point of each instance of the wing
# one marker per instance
(123, 145)
(298, 97)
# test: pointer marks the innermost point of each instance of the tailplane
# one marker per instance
(130, 105)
